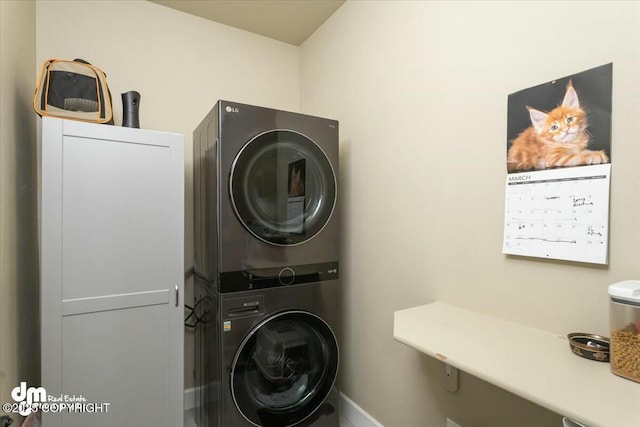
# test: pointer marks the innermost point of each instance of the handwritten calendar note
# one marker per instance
(559, 213)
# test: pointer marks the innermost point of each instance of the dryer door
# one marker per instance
(284, 369)
(282, 187)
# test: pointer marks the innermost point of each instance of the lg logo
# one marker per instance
(232, 109)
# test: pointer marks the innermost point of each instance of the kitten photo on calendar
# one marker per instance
(563, 123)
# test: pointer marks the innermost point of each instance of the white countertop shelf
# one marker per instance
(533, 364)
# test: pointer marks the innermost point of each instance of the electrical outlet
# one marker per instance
(450, 378)
(452, 423)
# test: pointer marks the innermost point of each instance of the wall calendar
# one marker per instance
(559, 168)
(559, 214)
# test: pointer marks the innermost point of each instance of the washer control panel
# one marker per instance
(278, 276)
(287, 276)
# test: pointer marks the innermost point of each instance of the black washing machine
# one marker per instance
(265, 186)
(273, 358)
(266, 267)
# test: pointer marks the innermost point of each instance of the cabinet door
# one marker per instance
(112, 273)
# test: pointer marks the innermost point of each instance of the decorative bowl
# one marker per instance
(589, 346)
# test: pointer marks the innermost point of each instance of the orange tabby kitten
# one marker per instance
(558, 138)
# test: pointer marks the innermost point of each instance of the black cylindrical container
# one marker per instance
(131, 109)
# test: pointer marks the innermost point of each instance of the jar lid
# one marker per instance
(627, 290)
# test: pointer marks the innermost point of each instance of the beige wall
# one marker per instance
(19, 316)
(180, 64)
(420, 89)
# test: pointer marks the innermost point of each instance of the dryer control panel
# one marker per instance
(277, 276)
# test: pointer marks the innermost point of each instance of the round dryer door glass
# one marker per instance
(283, 188)
(284, 369)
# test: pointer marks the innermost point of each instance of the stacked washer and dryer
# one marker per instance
(266, 268)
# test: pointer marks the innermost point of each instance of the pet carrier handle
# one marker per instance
(82, 61)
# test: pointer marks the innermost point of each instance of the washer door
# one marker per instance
(284, 369)
(282, 187)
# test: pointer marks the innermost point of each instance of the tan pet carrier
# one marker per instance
(73, 90)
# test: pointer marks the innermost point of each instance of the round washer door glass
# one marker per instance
(284, 369)
(283, 188)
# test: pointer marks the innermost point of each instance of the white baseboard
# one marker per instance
(354, 414)
(349, 410)
(191, 393)
(190, 398)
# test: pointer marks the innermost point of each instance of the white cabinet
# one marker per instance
(112, 273)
